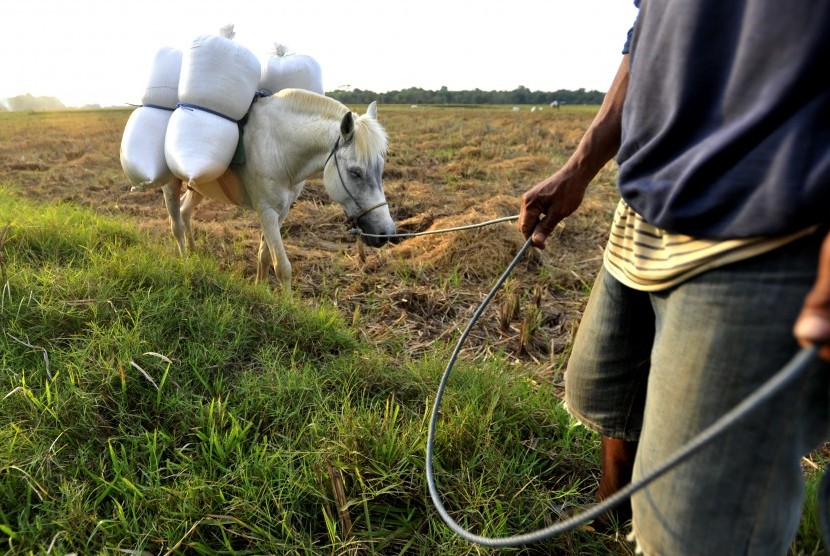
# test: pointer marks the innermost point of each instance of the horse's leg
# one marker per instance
(172, 201)
(271, 249)
(263, 259)
(270, 219)
(190, 200)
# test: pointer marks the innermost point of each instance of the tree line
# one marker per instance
(520, 95)
(30, 102)
(413, 95)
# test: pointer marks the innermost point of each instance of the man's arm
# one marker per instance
(557, 196)
(813, 324)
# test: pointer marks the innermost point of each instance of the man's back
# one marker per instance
(726, 127)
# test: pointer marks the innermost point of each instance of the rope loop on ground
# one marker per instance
(799, 363)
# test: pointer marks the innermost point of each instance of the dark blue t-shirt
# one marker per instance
(726, 123)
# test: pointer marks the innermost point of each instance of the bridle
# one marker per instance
(352, 219)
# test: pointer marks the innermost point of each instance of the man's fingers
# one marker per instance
(528, 219)
(812, 328)
(813, 324)
(543, 230)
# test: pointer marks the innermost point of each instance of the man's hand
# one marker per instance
(554, 199)
(813, 324)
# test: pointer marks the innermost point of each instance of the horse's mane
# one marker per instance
(369, 136)
(312, 104)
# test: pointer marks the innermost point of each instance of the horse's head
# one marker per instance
(353, 175)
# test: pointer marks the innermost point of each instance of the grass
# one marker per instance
(160, 406)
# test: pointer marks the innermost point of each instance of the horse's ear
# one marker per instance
(347, 128)
(372, 111)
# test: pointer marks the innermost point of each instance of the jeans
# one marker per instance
(659, 367)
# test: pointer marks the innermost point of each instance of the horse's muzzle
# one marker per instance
(375, 235)
(375, 240)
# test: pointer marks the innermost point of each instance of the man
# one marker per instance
(720, 121)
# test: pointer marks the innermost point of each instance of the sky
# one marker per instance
(101, 51)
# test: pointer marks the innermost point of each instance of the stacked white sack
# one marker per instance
(297, 71)
(163, 87)
(142, 145)
(220, 77)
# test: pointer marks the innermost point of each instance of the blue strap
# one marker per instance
(203, 109)
(159, 107)
(239, 156)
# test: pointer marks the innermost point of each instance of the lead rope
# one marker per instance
(775, 384)
(357, 231)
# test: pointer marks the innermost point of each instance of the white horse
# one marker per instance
(289, 137)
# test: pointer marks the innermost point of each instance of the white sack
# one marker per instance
(292, 71)
(199, 146)
(163, 85)
(142, 147)
(220, 75)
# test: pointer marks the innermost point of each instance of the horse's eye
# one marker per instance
(355, 173)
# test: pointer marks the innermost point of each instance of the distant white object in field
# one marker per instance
(515, 109)
(554, 104)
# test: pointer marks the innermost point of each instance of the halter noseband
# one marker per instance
(352, 219)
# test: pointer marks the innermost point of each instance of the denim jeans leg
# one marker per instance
(719, 336)
(606, 376)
